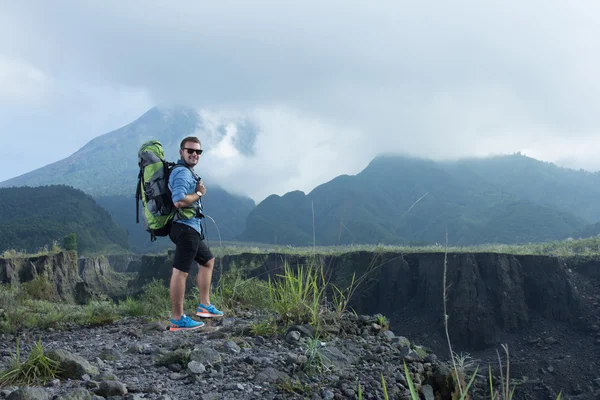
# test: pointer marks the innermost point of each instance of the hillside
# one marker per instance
(228, 212)
(373, 207)
(107, 165)
(34, 217)
(537, 181)
(107, 169)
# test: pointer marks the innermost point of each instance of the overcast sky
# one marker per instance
(356, 78)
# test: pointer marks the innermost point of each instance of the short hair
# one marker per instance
(189, 139)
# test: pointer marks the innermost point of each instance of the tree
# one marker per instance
(70, 242)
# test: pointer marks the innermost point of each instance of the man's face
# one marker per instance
(190, 147)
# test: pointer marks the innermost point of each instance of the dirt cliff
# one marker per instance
(488, 294)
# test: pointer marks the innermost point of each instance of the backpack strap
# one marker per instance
(138, 196)
(200, 207)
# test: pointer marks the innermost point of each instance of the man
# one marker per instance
(186, 232)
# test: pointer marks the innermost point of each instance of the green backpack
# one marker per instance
(153, 190)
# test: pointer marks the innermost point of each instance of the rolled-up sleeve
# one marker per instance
(177, 184)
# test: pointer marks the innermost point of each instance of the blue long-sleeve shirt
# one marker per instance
(181, 183)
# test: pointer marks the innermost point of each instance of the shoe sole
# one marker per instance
(174, 329)
(208, 315)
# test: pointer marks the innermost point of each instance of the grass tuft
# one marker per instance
(36, 370)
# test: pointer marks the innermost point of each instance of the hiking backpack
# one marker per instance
(153, 190)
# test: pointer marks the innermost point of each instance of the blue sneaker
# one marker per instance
(208, 311)
(185, 324)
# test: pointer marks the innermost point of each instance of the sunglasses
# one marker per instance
(192, 151)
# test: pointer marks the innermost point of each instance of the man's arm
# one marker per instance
(187, 201)
(179, 197)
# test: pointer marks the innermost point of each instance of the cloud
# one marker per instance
(440, 80)
(292, 151)
(21, 83)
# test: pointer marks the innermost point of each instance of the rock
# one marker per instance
(196, 368)
(71, 366)
(76, 394)
(305, 330)
(135, 348)
(533, 341)
(327, 394)
(270, 375)
(231, 347)
(388, 335)
(205, 355)
(28, 393)
(292, 336)
(550, 340)
(175, 367)
(177, 376)
(155, 327)
(111, 388)
(431, 358)
(409, 355)
(105, 376)
(179, 356)
(400, 341)
(427, 392)
(291, 359)
(334, 356)
(110, 354)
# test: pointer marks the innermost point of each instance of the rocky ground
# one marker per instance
(137, 360)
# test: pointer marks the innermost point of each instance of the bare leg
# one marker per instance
(204, 279)
(177, 290)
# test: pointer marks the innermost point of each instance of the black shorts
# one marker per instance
(189, 247)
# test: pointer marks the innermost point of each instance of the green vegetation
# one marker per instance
(315, 361)
(560, 248)
(36, 370)
(383, 322)
(35, 219)
(297, 296)
(266, 327)
(70, 242)
(228, 212)
(402, 200)
(295, 387)
(40, 288)
(235, 291)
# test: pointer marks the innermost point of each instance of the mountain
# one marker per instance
(541, 182)
(107, 169)
(403, 200)
(228, 211)
(35, 217)
(107, 165)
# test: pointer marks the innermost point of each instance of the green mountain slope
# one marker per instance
(108, 163)
(537, 181)
(373, 207)
(107, 169)
(31, 218)
(228, 212)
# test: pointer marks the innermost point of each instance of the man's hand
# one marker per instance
(200, 187)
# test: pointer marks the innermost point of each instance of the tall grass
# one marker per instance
(297, 296)
(37, 369)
